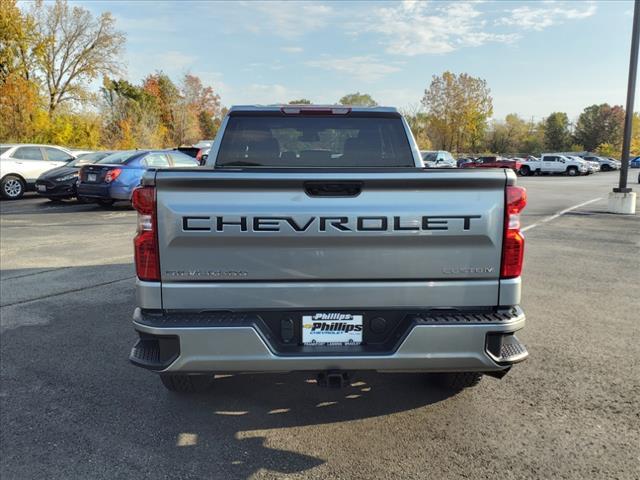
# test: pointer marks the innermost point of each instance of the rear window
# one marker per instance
(430, 156)
(3, 149)
(119, 158)
(314, 141)
(88, 158)
(180, 159)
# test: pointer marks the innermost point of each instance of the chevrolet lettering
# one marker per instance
(328, 223)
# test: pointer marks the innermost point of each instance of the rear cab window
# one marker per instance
(275, 139)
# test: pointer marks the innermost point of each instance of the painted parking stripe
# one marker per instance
(559, 214)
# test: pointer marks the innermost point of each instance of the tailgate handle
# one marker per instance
(333, 189)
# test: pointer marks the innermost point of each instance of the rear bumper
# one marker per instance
(104, 191)
(56, 190)
(233, 343)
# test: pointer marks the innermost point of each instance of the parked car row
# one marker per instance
(568, 163)
(58, 173)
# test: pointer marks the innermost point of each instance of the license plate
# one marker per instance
(332, 329)
(91, 177)
(41, 188)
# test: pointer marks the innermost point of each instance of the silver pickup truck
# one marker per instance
(315, 240)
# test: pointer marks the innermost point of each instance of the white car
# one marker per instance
(592, 165)
(554, 163)
(438, 159)
(22, 164)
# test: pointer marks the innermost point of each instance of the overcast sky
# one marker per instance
(537, 57)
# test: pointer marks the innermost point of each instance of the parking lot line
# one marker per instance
(560, 213)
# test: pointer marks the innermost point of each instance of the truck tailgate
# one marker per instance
(248, 226)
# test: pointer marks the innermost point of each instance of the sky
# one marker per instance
(537, 57)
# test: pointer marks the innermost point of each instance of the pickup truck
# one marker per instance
(554, 163)
(315, 240)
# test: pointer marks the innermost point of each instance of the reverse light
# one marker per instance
(513, 242)
(145, 243)
(112, 175)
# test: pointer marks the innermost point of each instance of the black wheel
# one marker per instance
(106, 203)
(12, 187)
(525, 171)
(186, 383)
(458, 380)
(605, 168)
(572, 171)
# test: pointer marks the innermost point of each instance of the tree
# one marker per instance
(302, 101)
(508, 136)
(556, 131)
(204, 103)
(19, 44)
(78, 48)
(418, 123)
(131, 117)
(458, 108)
(600, 124)
(19, 105)
(360, 99)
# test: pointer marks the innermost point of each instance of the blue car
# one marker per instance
(114, 177)
(634, 162)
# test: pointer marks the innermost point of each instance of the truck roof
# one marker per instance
(278, 107)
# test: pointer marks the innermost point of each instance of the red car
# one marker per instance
(493, 162)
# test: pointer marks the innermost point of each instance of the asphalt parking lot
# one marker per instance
(73, 407)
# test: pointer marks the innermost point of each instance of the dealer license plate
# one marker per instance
(332, 329)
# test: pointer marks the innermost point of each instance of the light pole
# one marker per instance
(622, 199)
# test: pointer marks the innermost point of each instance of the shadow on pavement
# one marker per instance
(239, 407)
(71, 402)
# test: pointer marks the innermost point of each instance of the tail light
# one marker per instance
(145, 243)
(513, 242)
(112, 175)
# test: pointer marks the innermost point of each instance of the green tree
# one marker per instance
(301, 101)
(508, 136)
(600, 124)
(458, 108)
(131, 117)
(360, 99)
(556, 131)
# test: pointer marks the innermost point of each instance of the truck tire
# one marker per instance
(12, 187)
(572, 171)
(525, 171)
(186, 383)
(459, 380)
